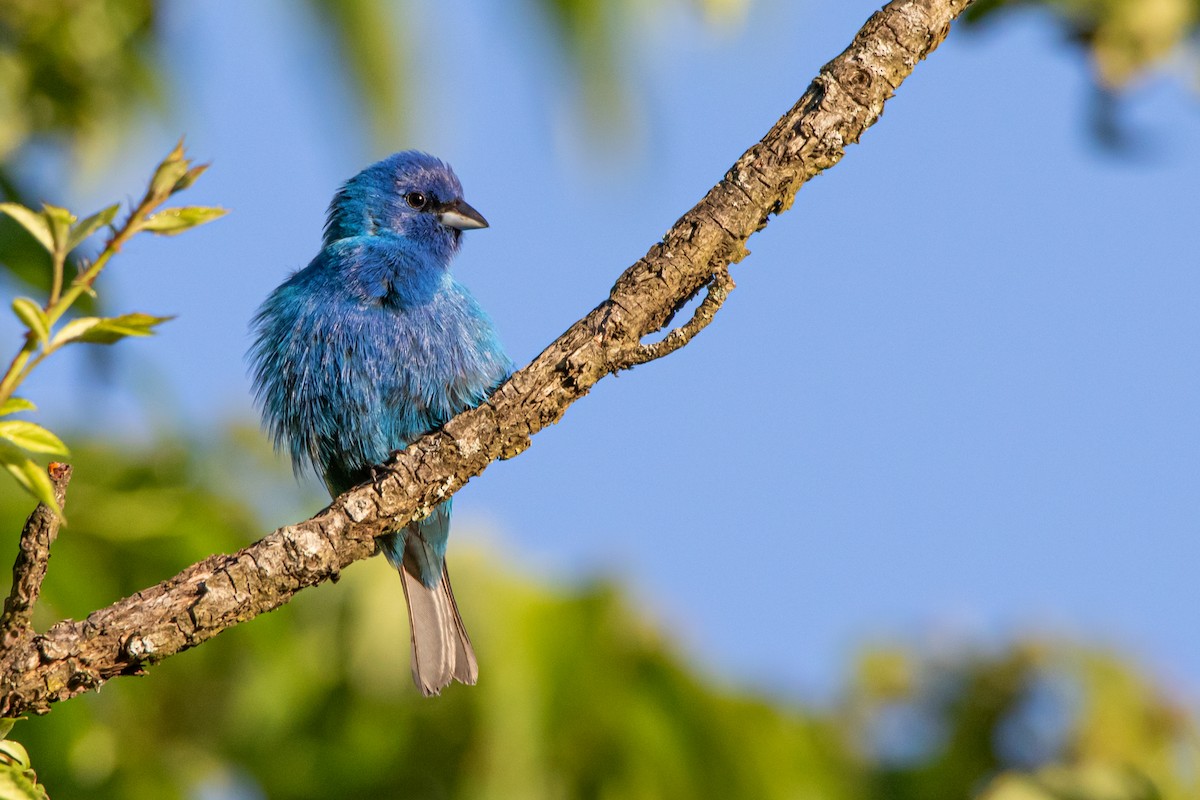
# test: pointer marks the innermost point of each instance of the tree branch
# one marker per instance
(719, 286)
(33, 556)
(845, 98)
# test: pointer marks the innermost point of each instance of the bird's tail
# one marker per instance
(441, 649)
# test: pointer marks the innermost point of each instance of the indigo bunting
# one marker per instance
(371, 346)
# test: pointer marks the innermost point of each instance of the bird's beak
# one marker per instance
(460, 215)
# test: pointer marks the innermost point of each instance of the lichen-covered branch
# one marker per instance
(224, 590)
(33, 556)
(717, 290)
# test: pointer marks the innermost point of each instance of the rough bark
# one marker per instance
(33, 558)
(845, 98)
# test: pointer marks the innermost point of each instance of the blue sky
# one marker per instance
(955, 392)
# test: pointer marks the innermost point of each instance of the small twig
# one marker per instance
(717, 289)
(57, 280)
(39, 533)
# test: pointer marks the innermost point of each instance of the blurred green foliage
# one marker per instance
(72, 72)
(581, 694)
(371, 44)
(1124, 38)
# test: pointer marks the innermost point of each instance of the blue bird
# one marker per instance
(373, 345)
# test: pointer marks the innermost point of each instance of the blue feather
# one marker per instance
(374, 344)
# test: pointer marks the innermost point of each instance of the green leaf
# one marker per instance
(60, 221)
(172, 169)
(94, 330)
(168, 174)
(89, 226)
(20, 783)
(32, 436)
(177, 153)
(190, 178)
(6, 725)
(32, 477)
(171, 221)
(73, 330)
(30, 220)
(114, 329)
(33, 316)
(13, 752)
(14, 404)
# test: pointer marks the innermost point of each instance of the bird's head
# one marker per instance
(409, 194)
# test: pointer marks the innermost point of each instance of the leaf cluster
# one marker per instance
(49, 325)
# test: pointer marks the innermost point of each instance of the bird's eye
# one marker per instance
(416, 200)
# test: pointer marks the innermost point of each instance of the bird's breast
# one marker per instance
(424, 363)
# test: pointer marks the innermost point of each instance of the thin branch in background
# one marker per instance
(33, 556)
